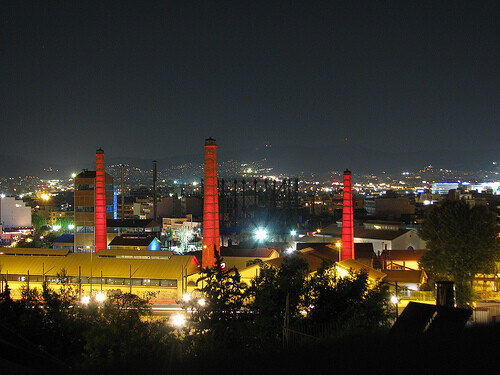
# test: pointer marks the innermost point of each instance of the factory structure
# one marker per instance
(109, 254)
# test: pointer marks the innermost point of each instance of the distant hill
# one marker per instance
(289, 160)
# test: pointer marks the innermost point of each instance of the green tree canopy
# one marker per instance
(349, 302)
(463, 242)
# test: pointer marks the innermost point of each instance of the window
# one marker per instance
(84, 229)
(84, 209)
(84, 187)
(168, 282)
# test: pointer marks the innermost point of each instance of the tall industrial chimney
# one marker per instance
(347, 218)
(211, 234)
(101, 240)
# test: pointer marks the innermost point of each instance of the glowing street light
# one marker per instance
(293, 233)
(201, 302)
(100, 297)
(85, 300)
(178, 320)
(338, 245)
(260, 234)
(186, 297)
(395, 300)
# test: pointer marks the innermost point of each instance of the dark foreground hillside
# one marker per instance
(474, 349)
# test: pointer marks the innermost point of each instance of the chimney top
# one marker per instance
(210, 142)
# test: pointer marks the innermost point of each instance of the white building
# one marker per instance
(14, 213)
(442, 188)
(389, 239)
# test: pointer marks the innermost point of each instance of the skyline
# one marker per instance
(152, 81)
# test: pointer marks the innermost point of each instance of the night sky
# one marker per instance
(154, 79)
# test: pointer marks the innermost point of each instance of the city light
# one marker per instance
(395, 300)
(178, 320)
(201, 302)
(100, 297)
(260, 234)
(56, 228)
(186, 297)
(85, 300)
(293, 233)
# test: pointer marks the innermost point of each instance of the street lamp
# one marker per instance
(178, 320)
(100, 297)
(395, 301)
(260, 234)
(338, 245)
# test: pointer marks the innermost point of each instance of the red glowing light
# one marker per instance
(211, 235)
(101, 241)
(347, 219)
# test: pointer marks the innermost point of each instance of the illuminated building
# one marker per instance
(442, 188)
(347, 219)
(211, 234)
(135, 241)
(14, 213)
(109, 271)
(84, 205)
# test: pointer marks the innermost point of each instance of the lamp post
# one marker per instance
(338, 245)
(395, 300)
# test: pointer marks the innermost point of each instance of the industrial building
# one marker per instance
(85, 183)
(140, 272)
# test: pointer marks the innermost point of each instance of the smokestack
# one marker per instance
(347, 218)
(101, 240)
(211, 234)
(154, 190)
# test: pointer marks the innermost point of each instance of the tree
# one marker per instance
(348, 302)
(167, 237)
(220, 321)
(37, 221)
(268, 295)
(462, 243)
(184, 235)
(222, 291)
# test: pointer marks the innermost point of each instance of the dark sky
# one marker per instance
(154, 79)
